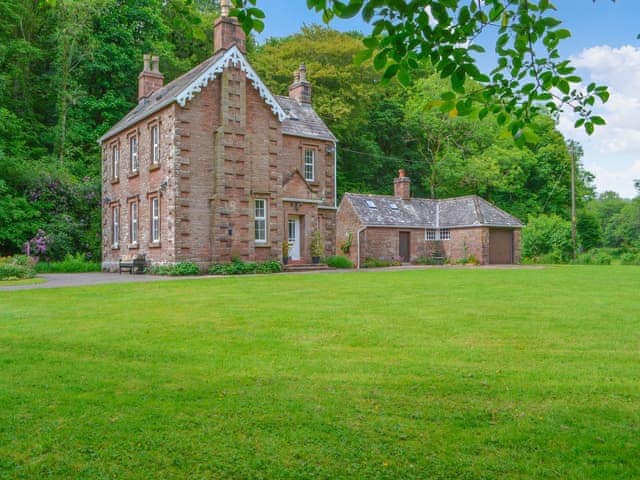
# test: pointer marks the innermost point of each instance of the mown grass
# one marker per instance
(437, 373)
(24, 281)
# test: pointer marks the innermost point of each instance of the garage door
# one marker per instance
(500, 246)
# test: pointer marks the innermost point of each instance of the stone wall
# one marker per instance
(140, 187)
(218, 154)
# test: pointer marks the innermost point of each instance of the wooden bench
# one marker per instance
(133, 266)
(438, 258)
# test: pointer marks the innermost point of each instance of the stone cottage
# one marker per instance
(213, 165)
(402, 228)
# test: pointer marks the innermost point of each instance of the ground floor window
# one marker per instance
(115, 226)
(260, 219)
(133, 227)
(155, 220)
(438, 234)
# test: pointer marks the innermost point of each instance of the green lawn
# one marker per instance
(440, 373)
(24, 281)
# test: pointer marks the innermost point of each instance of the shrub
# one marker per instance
(184, 269)
(71, 264)
(270, 266)
(181, 269)
(239, 267)
(379, 262)
(547, 239)
(16, 268)
(470, 260)
(338, 261)
(429, 260)
(630, 258)
(593, 258)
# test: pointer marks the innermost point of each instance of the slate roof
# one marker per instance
(467, 211)
(301, 120)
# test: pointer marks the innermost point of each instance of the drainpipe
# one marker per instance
(360, 230)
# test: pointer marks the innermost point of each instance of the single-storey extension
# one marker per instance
(407, 229)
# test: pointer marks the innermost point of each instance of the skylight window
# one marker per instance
(370, 204)
(393, 206)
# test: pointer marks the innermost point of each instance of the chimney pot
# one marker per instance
(150, 79)
(300, 89)
(402, 186)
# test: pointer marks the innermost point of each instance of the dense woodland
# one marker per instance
(68, 71)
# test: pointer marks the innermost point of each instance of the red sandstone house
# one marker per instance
(403, 228)
(213, 166)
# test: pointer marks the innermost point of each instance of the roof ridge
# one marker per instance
(476, 205)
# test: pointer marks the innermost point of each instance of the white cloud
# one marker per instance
(612, 153)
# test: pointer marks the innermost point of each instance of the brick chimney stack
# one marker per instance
(150, 79)
(227, 31)
(300, 89)
(402, 186)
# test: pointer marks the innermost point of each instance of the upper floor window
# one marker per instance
(133, 153)
(155, 220)
(260, 219)
(155, 145)
(115, 226)
(309, 164)
(133, 218)
(115, 162)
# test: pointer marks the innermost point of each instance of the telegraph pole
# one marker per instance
(572, 147)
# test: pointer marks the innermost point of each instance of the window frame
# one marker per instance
(115, 162)
(134, 221)
(260, 220)
(134, 163)
(155, 144)
(154, 209)
(115, 226)
(432, 234)
(311, 164)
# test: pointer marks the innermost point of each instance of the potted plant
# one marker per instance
(285, 252)
(317, 246)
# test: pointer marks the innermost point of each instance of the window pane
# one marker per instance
(133, 151)
(309, 167)
(155, 220)
(260, 223)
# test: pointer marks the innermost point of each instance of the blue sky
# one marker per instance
(604, 48)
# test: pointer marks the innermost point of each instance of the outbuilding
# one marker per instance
(401, 228)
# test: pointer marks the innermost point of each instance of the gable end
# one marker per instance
(233, 57)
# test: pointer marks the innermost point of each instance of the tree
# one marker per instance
(530, 77)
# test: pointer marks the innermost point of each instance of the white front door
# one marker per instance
(294, 238)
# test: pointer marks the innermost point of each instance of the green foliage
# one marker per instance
(530, 76)
(180, 269)
(317, 244)
(345, 246)
(593, 258)
(16, 267)
(430, 260)
(338, 261)
(239, 267)
(546, 239)
(468, 260)
(589, 230)
(70, 264)
(630, 258)
(379, 262)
